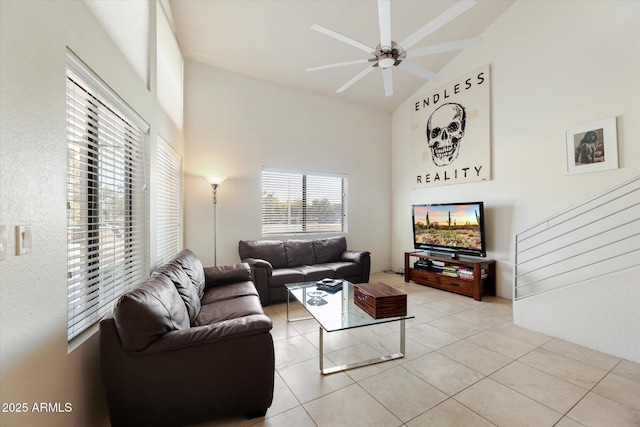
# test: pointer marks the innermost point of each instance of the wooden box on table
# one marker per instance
(379, 300)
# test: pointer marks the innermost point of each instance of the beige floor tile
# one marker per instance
(297, 417)
(553, 392)
(456, 326)
(403, 393)
(424, 313)
(371, 333)
(619, 389)
(463, 300)
(475, 357)
(282, 329)
(431, 337)
(283, 400)
(506, 407)
(350, 406)
(568, 422)
(445, 374)
(449, 413)
(481, 319)
(597, 411)
(390, 344)
(307, 383)
(503, 311)
(293, 350)
(510, 330)
(445, 306)
(629, 370)
(305, 326)
(360, 353)
(502, 344)
(563, 367)
(583, 354)
(332, 341)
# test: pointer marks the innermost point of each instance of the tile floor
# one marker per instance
(465, 365)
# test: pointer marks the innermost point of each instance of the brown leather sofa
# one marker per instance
(275, 263)
(188, 345)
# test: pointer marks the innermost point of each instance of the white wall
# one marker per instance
(35, 363)
(554, 65)
(235, 124)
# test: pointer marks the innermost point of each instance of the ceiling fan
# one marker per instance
(389, 54)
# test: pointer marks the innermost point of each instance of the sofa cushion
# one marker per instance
(230, 291)
(148, 312)
(269, 250)
(229, 309)
(184, 286)
(282, 276)
(345, 269)
(329, 249)
(316, 272)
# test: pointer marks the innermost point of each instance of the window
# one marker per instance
(169, 202)
(303, 202)
(107, 204)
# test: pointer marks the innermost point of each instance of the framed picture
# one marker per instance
(592, 147)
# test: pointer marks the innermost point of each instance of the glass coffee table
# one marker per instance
(338, 312)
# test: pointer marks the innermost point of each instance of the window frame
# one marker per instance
(107, 198)
(311, 219)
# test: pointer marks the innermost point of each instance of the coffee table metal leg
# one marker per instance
(299, 318)
(353, 365)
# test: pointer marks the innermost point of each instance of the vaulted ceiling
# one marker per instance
(272, 40)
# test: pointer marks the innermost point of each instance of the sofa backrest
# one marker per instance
(329, 249)
(187, 274)
(272, 251)
(299, 252)
(148, 312)
(293, 253)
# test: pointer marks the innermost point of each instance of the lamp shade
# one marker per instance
(216, 179)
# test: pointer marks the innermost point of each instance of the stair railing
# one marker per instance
(593, 239)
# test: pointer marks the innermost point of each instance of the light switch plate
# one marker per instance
(23, 239)
(3, 242)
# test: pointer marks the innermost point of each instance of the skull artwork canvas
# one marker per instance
(451, 132)
(445, 129)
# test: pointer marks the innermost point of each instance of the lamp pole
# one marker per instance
(215, 181)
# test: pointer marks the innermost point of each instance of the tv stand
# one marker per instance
(470, 277)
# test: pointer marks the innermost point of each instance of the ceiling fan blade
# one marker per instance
(355, 79)
(384, 16)
(342, 38)
(388, 81)
(444, 47)
(338, 64)
(449, 14)
(414, 69)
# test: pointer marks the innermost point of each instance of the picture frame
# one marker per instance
(592, 147)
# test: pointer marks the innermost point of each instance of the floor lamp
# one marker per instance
(215, 181)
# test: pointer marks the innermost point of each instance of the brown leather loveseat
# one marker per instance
(188, 345)
(275, 263)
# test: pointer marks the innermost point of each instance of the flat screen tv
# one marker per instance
(452, 228)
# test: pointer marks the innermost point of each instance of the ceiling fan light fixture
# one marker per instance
(387, 60)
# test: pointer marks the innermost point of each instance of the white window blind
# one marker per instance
(107, 205)
(169, 202)
(303, 202)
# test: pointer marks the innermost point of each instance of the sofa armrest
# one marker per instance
(358, 257)
(218, 276)
(260, 263)
(204, 335)
(261, 270)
